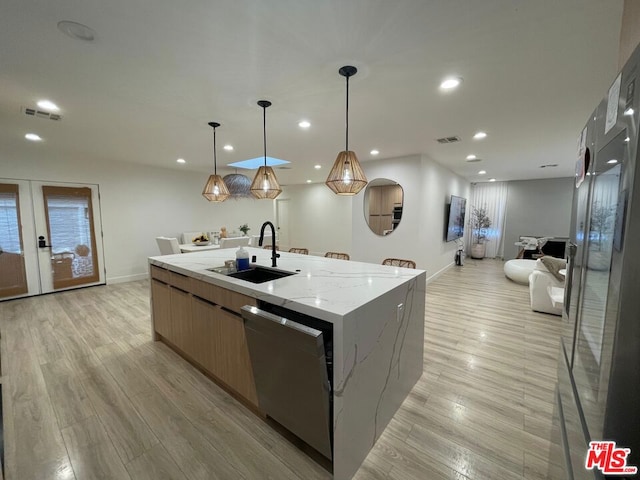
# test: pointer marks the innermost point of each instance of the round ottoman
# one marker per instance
(519, 270)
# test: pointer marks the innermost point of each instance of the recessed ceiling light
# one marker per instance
(181, 160)
(479, 135)
(308, 181)
(77, 31)
(228, 148)
(304, 124)
(482, 172)
(492, 179)
(48, 105)
(471, 157)
(33, 137)
(317, 167)
(450, 83)
(629, 111)
(374, 152)
(612, 161)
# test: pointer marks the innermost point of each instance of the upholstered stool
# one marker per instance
(519, 270)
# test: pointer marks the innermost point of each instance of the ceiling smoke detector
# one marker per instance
(35, 112)
(452, 139)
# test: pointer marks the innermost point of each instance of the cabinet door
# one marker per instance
(232, 355)
(161, 308)
(387, 199)
(375, 194)
(181, 323)
(397, 195)
(386, 223)
(374, 224)
(203, 320)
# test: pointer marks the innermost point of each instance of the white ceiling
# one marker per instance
(159, 70)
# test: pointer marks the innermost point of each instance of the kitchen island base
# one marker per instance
(377, 338)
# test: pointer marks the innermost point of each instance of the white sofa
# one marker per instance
(540, 283)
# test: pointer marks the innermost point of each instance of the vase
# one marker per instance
(478, 250)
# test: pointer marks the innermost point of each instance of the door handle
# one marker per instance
(42, 243)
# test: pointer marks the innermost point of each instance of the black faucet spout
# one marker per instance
(274, 254)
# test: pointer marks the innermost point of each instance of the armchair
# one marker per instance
(541, 281)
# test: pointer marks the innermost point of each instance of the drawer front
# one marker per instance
(159, 274)
(180, 281)
(221, 296)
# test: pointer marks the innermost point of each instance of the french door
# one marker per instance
(50, 237)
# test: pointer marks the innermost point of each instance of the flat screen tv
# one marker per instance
(455, 223)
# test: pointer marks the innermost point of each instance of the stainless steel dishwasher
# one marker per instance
(290, 371)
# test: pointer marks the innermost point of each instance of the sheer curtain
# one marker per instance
(492, 197)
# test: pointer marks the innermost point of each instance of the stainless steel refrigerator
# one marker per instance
(599, 363)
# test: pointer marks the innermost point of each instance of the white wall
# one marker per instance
(537, 208)
(318, 219)
(140, 203)
(427, 187)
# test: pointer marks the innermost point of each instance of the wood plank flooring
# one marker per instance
(87, 394)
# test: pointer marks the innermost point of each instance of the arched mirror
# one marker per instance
(383, 202)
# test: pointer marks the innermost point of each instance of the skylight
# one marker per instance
(255, 163)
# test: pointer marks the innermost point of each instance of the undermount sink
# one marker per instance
(256, 274)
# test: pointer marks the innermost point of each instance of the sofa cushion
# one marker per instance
(554, 265)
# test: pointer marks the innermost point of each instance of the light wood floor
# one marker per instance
(87, 394)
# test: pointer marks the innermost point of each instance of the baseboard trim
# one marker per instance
(439, 272)
(127, 278)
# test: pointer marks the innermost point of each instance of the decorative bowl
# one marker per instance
(201, 244)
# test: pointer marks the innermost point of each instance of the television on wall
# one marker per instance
(455, 223)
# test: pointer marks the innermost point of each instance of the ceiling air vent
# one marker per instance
(34, 112)
(448, 139)
(549, 165)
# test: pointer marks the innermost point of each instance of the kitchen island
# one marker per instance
(375, 313)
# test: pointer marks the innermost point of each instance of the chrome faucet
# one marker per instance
(274, 255)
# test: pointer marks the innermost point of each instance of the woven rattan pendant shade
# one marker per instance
(265, 184)
(346, 176)
(215, 190)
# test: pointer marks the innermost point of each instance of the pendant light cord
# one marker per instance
(264, 133)
(215, 163)
(347, 118)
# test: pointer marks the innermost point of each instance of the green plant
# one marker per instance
(480, 222)
(244, 228)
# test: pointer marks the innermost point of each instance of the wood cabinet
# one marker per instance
(202, 321)
(382, 201)
(161, 307)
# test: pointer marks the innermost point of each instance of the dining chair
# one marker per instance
(301, 251)
(234, 242)
(399, 262)
(338, 255)
(168, 246)
(268, 247)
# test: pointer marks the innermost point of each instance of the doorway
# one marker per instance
(50, 237)
(282, 221)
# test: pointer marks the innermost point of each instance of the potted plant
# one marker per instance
(244, 229)
(480, 222)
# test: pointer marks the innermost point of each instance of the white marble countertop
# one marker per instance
(324, 288)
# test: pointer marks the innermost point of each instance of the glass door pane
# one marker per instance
(596, 324)
(13, 278)
(70, 228)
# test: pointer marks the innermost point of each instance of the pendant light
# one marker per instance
(346, 176)
(238, 185)
(265, 184)
(215, 190)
